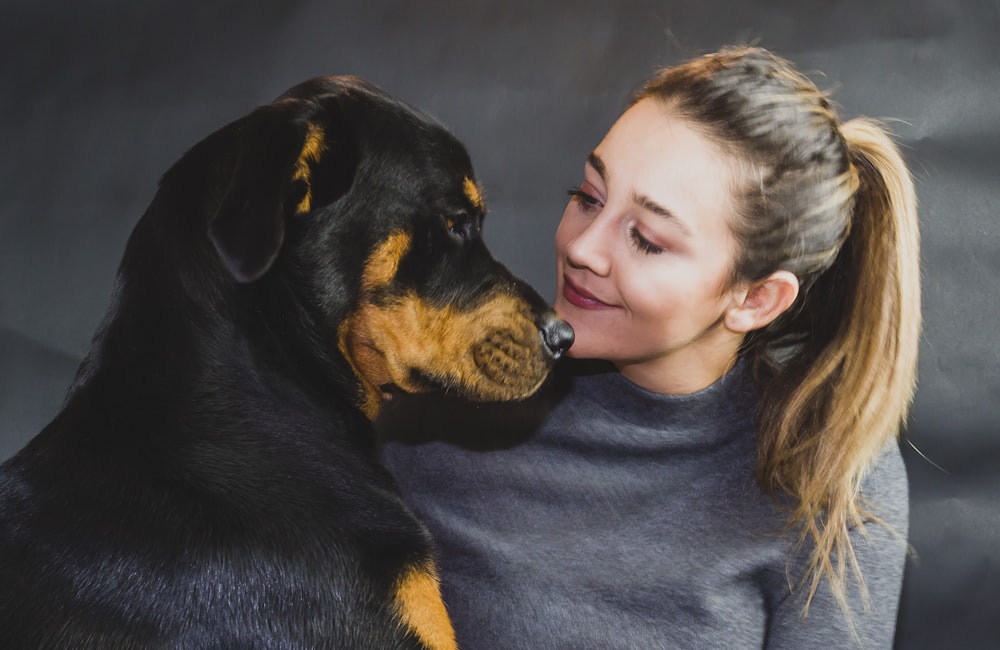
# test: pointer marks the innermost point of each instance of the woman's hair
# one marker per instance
(834, 204)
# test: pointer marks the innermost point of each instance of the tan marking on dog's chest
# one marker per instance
(419, 603)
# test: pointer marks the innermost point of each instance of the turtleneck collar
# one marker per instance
(709, 417)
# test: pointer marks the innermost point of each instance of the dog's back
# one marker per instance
(211, 480)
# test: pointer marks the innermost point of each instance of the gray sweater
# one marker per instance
(600, 515)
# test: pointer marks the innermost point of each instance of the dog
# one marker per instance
(211, 480)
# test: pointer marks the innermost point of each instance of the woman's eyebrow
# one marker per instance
(649, 204)
(640, 200)
(595, 161)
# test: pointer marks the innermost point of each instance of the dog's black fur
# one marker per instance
(211, 481)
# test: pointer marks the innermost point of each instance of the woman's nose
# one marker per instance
(591, 248)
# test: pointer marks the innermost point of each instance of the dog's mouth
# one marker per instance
(446, 352)
(417, 381)
(501, 368)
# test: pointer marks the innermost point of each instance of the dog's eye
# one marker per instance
(463, 226)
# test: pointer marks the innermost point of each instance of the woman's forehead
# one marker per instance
(653, 152)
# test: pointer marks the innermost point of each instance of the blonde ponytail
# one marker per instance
(822, 430)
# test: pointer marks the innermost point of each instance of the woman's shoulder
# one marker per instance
(887, 474)
(885, 488)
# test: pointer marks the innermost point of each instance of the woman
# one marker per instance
(745, 267)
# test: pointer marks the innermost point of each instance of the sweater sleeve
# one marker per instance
(881, 555)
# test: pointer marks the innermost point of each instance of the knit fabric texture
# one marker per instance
(601, 515)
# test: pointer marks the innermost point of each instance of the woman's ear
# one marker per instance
(758, 304)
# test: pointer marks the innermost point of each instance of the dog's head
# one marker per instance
(374, 210)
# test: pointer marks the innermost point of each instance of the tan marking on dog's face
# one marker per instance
(366, 361)
(312, 149)
(369, 366)
(472, 193)
(419, 604)
(493, 352)
(383, 264)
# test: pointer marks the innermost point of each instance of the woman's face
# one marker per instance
(644, 253)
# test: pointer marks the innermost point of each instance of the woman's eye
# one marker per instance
(642, 243)
(586, 202)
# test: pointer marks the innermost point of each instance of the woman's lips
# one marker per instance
(576, 296)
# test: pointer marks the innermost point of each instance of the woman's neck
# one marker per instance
(682, 374)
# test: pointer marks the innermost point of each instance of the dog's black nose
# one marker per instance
(557, 334)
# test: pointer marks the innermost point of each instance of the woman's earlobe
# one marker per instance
(762, 302)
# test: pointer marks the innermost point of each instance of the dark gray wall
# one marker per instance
(98, 98)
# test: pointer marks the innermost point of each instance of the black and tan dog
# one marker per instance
(211, 480)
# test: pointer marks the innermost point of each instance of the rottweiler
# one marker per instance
(211, 480)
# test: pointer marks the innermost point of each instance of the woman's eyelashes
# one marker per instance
(587, 202)
(642, 243)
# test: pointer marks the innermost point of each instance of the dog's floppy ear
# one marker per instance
(249, 227)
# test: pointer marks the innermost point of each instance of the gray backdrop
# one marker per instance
(98, 98)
